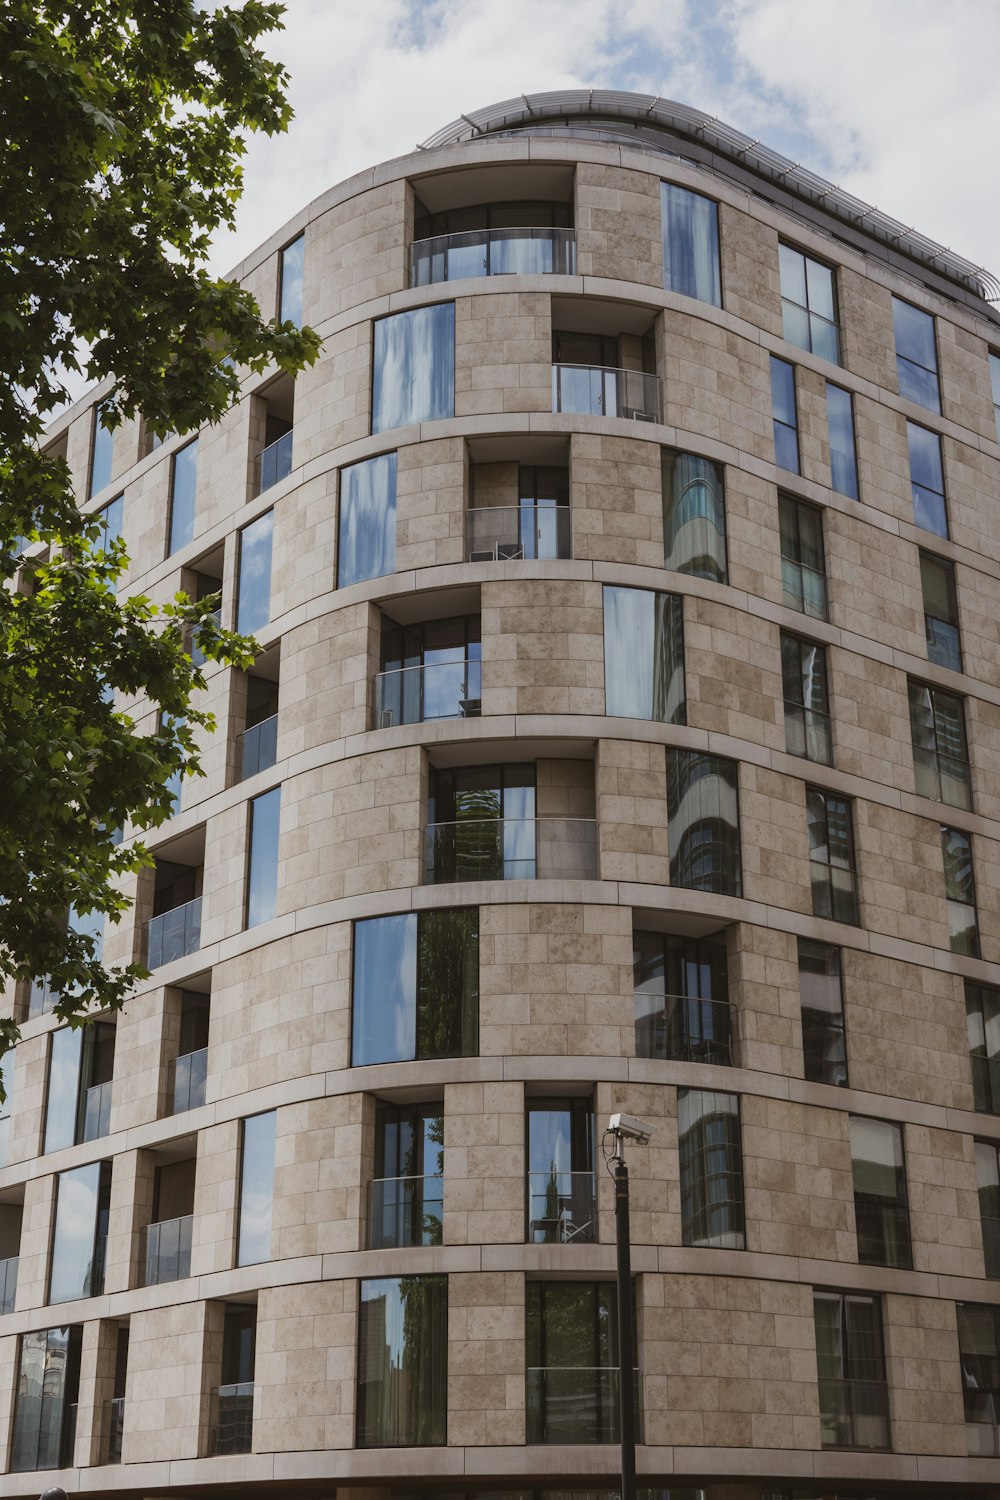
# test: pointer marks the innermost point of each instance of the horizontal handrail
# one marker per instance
(428, 691)
(174, 933)
(511, 849)
(405, 1211)
(528, 250)
(534, 532)
(682, 1028)
(606, 391)
(273, 463)
(259, 747)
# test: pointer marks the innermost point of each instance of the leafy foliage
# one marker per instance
(126, 122)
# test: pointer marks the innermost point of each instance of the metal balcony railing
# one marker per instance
(114, 1428)
(168, 1251)
(405, 1211)
(807, 733)
(529, 251)
(576, 1404)
(174, 934)
(231, 1419)
(273, 463)
(259, 747)
(804, 588)
(854, 1413)
(683, 1028)
(600, 391)
(436, 690)
(562, 1208)
(507, 533)
(511, 849)
(186, 1081)
(8, 1283)
(97, 1111)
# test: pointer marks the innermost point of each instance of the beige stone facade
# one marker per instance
(747, 1223)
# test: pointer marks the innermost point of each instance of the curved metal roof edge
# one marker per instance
(729, 143)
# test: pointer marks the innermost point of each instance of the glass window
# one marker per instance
(916, 355)
(803, 562)
(681, 998)
(982, 1015)
(850, 1360)
(407, 1197)
(367, 535)
(183, 487)
(807, 702)
(831, 856)
(253, 609)
(262, 878)
(430, 670)
(46, 1391)
(995, 384)
(231, 1411)
(960, 891)
(694, 516)
(414, 367)
(109, 518)
(824, 1050)
(290, 300)
(703, 822)
(481, 825)
(644, 655)
(562, 1209)
(979, 1351)
(808, 304)
(711, 1164)
(573, 1358)
(253, 1239)
(690, 244)
(927, 479)
(940, 749)
(83, 1203)
(416, 986)
(880, 1202)
(937, 580)
(571, 1346)
(843, 453)
(64, 1089)
(403, 1362)
(785, 415)
(988, 1179)
(102, 451)
(7, 1089)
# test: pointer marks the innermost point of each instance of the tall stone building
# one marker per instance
(625, 736)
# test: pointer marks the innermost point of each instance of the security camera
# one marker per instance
(632, 1128)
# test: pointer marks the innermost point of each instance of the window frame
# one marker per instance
(683, 860)
(247, 622)
(791, 505)
(699, 1186)
(249, 917)
(667, 632)
(348, 511)
(947, 568)
(177, 545)
(909, 363)
(300, 239)
(927, 758)
(868, 1202)
(984, 1065)
(833, 323)
(928, 490)
(242, 1189)
(409, 1439)
(818, 1029)
(779, 422)
(853, 491)
(411, 417)
(715, 550)
(971, 906)
(853, 919)
(823, 716)
(711, 272)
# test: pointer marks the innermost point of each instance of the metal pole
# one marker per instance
(626, 1357)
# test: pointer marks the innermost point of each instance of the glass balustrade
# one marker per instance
(114, 1428)
(174, 934)
(528, 251)
(854, 1413)
(601, 391)
(405, 1211)
(435, 690)
(186, 1083)
(258, 747)
(168, 1250)
(511, 849)
(97, 1111)
(683, 1028)
(231, 1418)
(503, 533)
(273, 463)
(562, 1208)
(576, 1404)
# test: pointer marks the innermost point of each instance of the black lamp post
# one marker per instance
(623, 1127)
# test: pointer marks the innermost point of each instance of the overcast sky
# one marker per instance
(895, 100)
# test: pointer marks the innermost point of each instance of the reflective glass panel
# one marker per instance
(46, 1390)
(183, 487)
(83, 1200)
(703, 822)
(644, 655)
(403, 1362)
(292, 262)
(783, 410)
(691, 244)
(937, 580)
(843, 457)
(880, 1201)
(823, 1044)
(253, 610)
(414, 368)
(385, 990)
(64, 1089)
(927, 479)
(102, 453)
(110, 518)
(262, 883)
(256, 1189)
(367, 533)
(808, 305)
(694, 516)
(916, 355)
(711, 1168)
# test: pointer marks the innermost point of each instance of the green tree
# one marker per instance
(125, 124)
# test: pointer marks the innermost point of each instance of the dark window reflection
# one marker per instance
(824, 1047)
(45, 1397)
(703, 822)
(403, 1362)
(416, 986)
(681, 998)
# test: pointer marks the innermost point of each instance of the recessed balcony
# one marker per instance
(520, 250)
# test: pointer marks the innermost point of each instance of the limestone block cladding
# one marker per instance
(625, 735)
